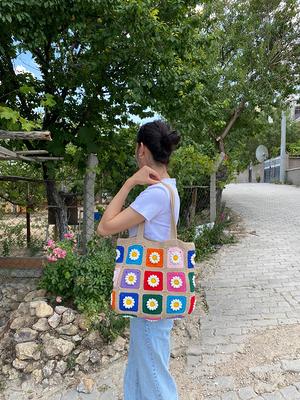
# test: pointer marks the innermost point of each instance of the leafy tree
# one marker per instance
(98, 61)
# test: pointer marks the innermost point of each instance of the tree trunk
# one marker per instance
(56, 202)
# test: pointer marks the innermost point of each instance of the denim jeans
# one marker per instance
(147, 375)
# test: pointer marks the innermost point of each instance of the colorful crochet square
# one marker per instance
(135, 254)
(117, 271)
(175, 257)
(152, 303)
(128, 301)
(192, 304)
(119, 254)
(153, 280)
(113, 300)
(192, 281)
(176, 304)
(176, 282)
(155, 257)
(191, 258)
(131, 278)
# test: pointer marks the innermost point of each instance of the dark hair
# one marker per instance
(160, 139)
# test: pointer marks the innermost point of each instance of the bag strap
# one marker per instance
(141, 226)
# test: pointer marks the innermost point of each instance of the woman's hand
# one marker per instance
(144, 176)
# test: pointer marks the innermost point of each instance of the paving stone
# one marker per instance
(273, 396)
(224, 382)
(247, 393)
(291, 365)
(230, 396)
(290, 393)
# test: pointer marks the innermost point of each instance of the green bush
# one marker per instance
(85, 283)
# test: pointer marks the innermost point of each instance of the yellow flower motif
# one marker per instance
(134, 254)
(130, 278)
(176, 282)
(152, 304)
(175, 257)
(176, 305)
(128, 302)
(154, 257)
(153, 280)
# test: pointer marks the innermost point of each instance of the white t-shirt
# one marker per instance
(155, 205)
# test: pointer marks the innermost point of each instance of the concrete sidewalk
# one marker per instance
(250, 344)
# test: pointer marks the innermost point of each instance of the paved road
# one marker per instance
(250, 346)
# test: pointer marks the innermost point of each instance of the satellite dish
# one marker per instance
(261, 153)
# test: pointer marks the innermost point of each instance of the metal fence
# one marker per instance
(28, 218)
(272, 170)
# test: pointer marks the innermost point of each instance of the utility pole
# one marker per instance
(282, 148)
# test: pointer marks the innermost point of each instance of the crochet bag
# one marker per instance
(154, 279)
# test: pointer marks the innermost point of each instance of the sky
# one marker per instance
(24, 62)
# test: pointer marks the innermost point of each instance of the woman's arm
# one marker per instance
(114, 220)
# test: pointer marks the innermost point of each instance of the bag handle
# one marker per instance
(141, 226)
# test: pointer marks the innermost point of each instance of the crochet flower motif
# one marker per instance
(128, 302)
(176, 282)
(154, 257)
(130, 278)
(175, 257)
(153, 280)
(118, 254)
(176, 305)
(134, 254)
(152, 304)
(193, 259)
(194, 280)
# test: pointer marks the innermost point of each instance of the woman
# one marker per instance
(147, 375)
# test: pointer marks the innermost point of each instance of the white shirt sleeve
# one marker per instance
(151, 201)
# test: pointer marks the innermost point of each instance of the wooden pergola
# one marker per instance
(26, 155)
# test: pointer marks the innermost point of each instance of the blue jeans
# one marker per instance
(147, 375)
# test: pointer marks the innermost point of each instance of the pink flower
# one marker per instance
(69, 235)
(51, 244)
(51, 258)
(58, 299)
(59, 253)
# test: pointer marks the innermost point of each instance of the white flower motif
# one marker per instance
(118, 254)
(175, 257)
(194, 280)
(130, 278)
(152, 304)
(154, 257)
(193, 259)
(153, 280)
(128, 302)
(176, 282)
(176, 305)
(134, 254)
(194, 306)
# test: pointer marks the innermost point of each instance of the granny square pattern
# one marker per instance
(131, 278)
(191, 258)
(176, 304)
(175, 257)
(152, 303)
(192, 281)
(119, 254)
(153, 280)
(128, 301)
(176, 282)
(192, 304)
(155, 258)
(135, 254)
